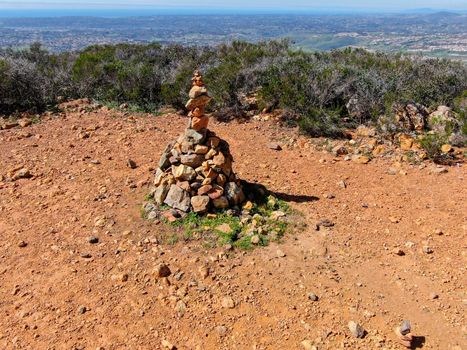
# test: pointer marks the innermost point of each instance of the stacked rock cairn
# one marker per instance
(195, 172)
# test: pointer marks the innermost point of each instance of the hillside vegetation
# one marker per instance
(322, 91)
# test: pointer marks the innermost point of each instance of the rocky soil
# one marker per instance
(81, 269)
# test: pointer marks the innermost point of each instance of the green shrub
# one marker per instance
(315, 86)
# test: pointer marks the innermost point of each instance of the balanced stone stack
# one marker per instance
(195, 172)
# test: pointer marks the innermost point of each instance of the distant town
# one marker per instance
(442, 34)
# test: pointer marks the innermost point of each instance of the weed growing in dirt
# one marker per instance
(266, 222)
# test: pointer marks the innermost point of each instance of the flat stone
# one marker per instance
(23, 173)
(198, 102)
(184, 185)
(197, 91)
(211, 153)
(178, 198)
(219, 159)
(325, 223)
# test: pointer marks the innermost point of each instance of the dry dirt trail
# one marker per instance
(58, 291)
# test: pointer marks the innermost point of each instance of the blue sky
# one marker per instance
(297, 4)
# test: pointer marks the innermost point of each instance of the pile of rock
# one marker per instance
(411, 116)
(195, 172)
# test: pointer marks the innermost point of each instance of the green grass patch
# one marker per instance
(266, 222)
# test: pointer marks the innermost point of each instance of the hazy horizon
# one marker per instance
(162, 11)
(172, 7)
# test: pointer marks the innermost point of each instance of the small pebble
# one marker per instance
(131, 164)
(22, 244)
(356, 330)
(82, 309)
(93, 240)
(427, 250)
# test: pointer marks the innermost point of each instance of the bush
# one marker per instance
(327, 90)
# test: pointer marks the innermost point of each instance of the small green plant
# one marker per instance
(266, 223)
(432, 143)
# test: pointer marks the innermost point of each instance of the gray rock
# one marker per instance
(234, 193)
(164, 163)
(161, 193)
(93, 240)
(178, 198)
(405, 327)
(356, 330)
(312, 296)
(192, 160)
(427, 250)
(131, 164)
(194, 137)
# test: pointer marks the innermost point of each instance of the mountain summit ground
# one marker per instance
(81, 269)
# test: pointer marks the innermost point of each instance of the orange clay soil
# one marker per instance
(59, 291)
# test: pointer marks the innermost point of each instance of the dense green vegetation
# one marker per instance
(322, 91)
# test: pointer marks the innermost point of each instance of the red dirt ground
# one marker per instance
(351, 266)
